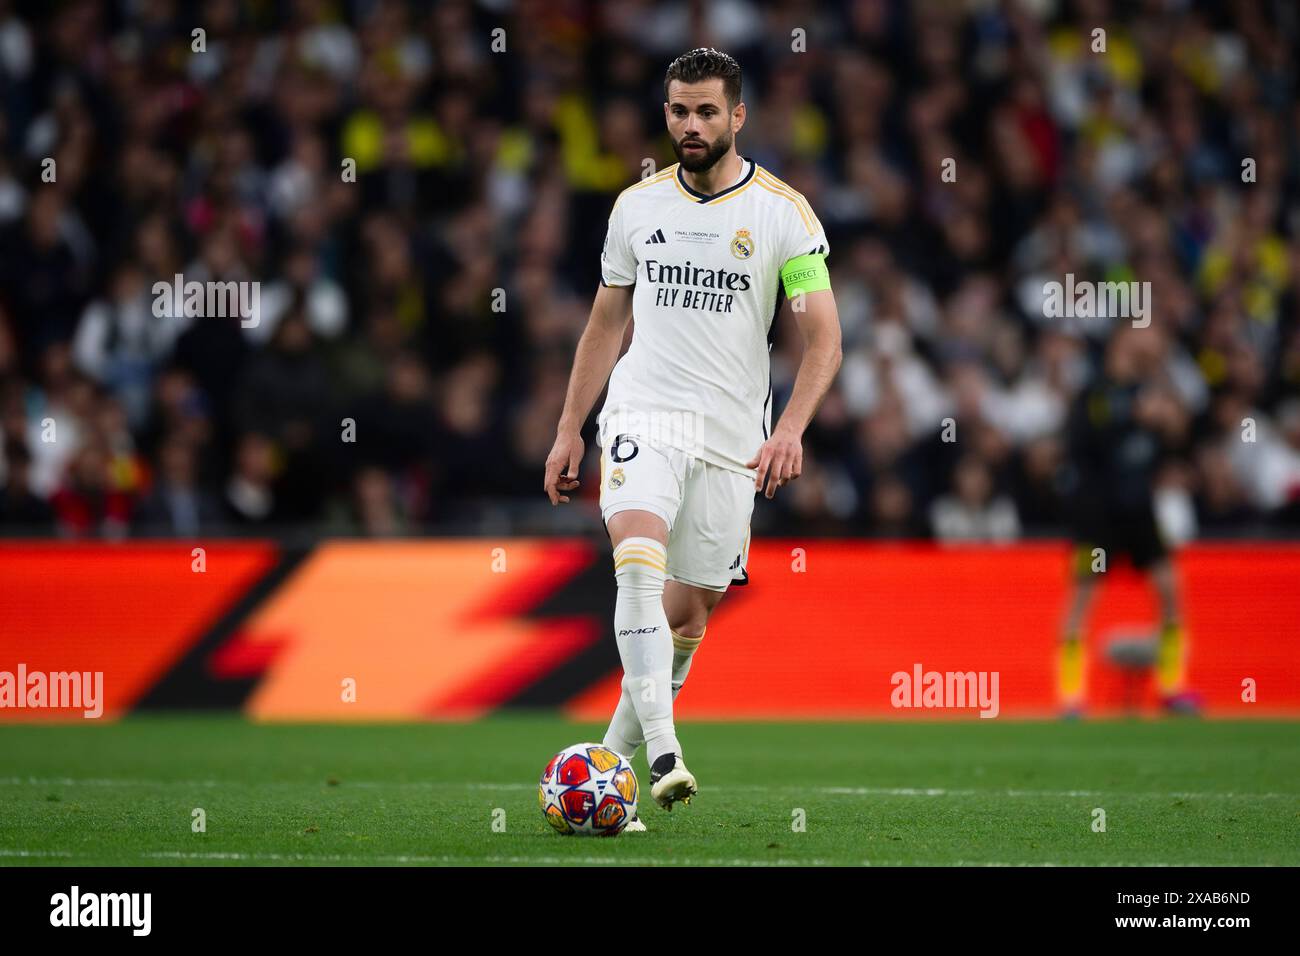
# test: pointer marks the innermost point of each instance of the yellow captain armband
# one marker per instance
(805, 274)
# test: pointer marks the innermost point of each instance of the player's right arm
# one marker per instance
(597, 352)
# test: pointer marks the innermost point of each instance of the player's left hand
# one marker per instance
(779, 460)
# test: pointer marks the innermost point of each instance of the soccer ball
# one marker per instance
(588, 790)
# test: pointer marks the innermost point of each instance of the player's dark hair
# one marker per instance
(705, 63)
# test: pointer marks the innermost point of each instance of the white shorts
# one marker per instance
(706, 507)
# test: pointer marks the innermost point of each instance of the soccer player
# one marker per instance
(1117, 431)
(700, 255)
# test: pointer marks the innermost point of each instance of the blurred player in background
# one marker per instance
(700, 253)
(1118, 430)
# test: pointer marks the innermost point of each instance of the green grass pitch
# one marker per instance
(971, 792)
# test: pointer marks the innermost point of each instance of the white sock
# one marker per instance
(683, 651)
(645, 646)
(624, 734)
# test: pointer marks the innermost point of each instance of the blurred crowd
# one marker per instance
(416, 326)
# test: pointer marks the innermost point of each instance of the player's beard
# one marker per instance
(701, 162)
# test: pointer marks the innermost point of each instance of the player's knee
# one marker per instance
(690, 609)
(690, 626)
(641, 566)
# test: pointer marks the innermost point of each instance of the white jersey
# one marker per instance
(707, 271)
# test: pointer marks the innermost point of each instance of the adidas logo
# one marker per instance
(657, 238)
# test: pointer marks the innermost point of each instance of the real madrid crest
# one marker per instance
(742, 245)
(616, 478)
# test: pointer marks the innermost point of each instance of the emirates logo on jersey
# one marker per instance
(705, 287)
(742, 244)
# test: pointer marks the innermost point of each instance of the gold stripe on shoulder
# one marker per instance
(778, 186)
(786, 196)
(650, 181)
(778, 181)
(789, 190)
